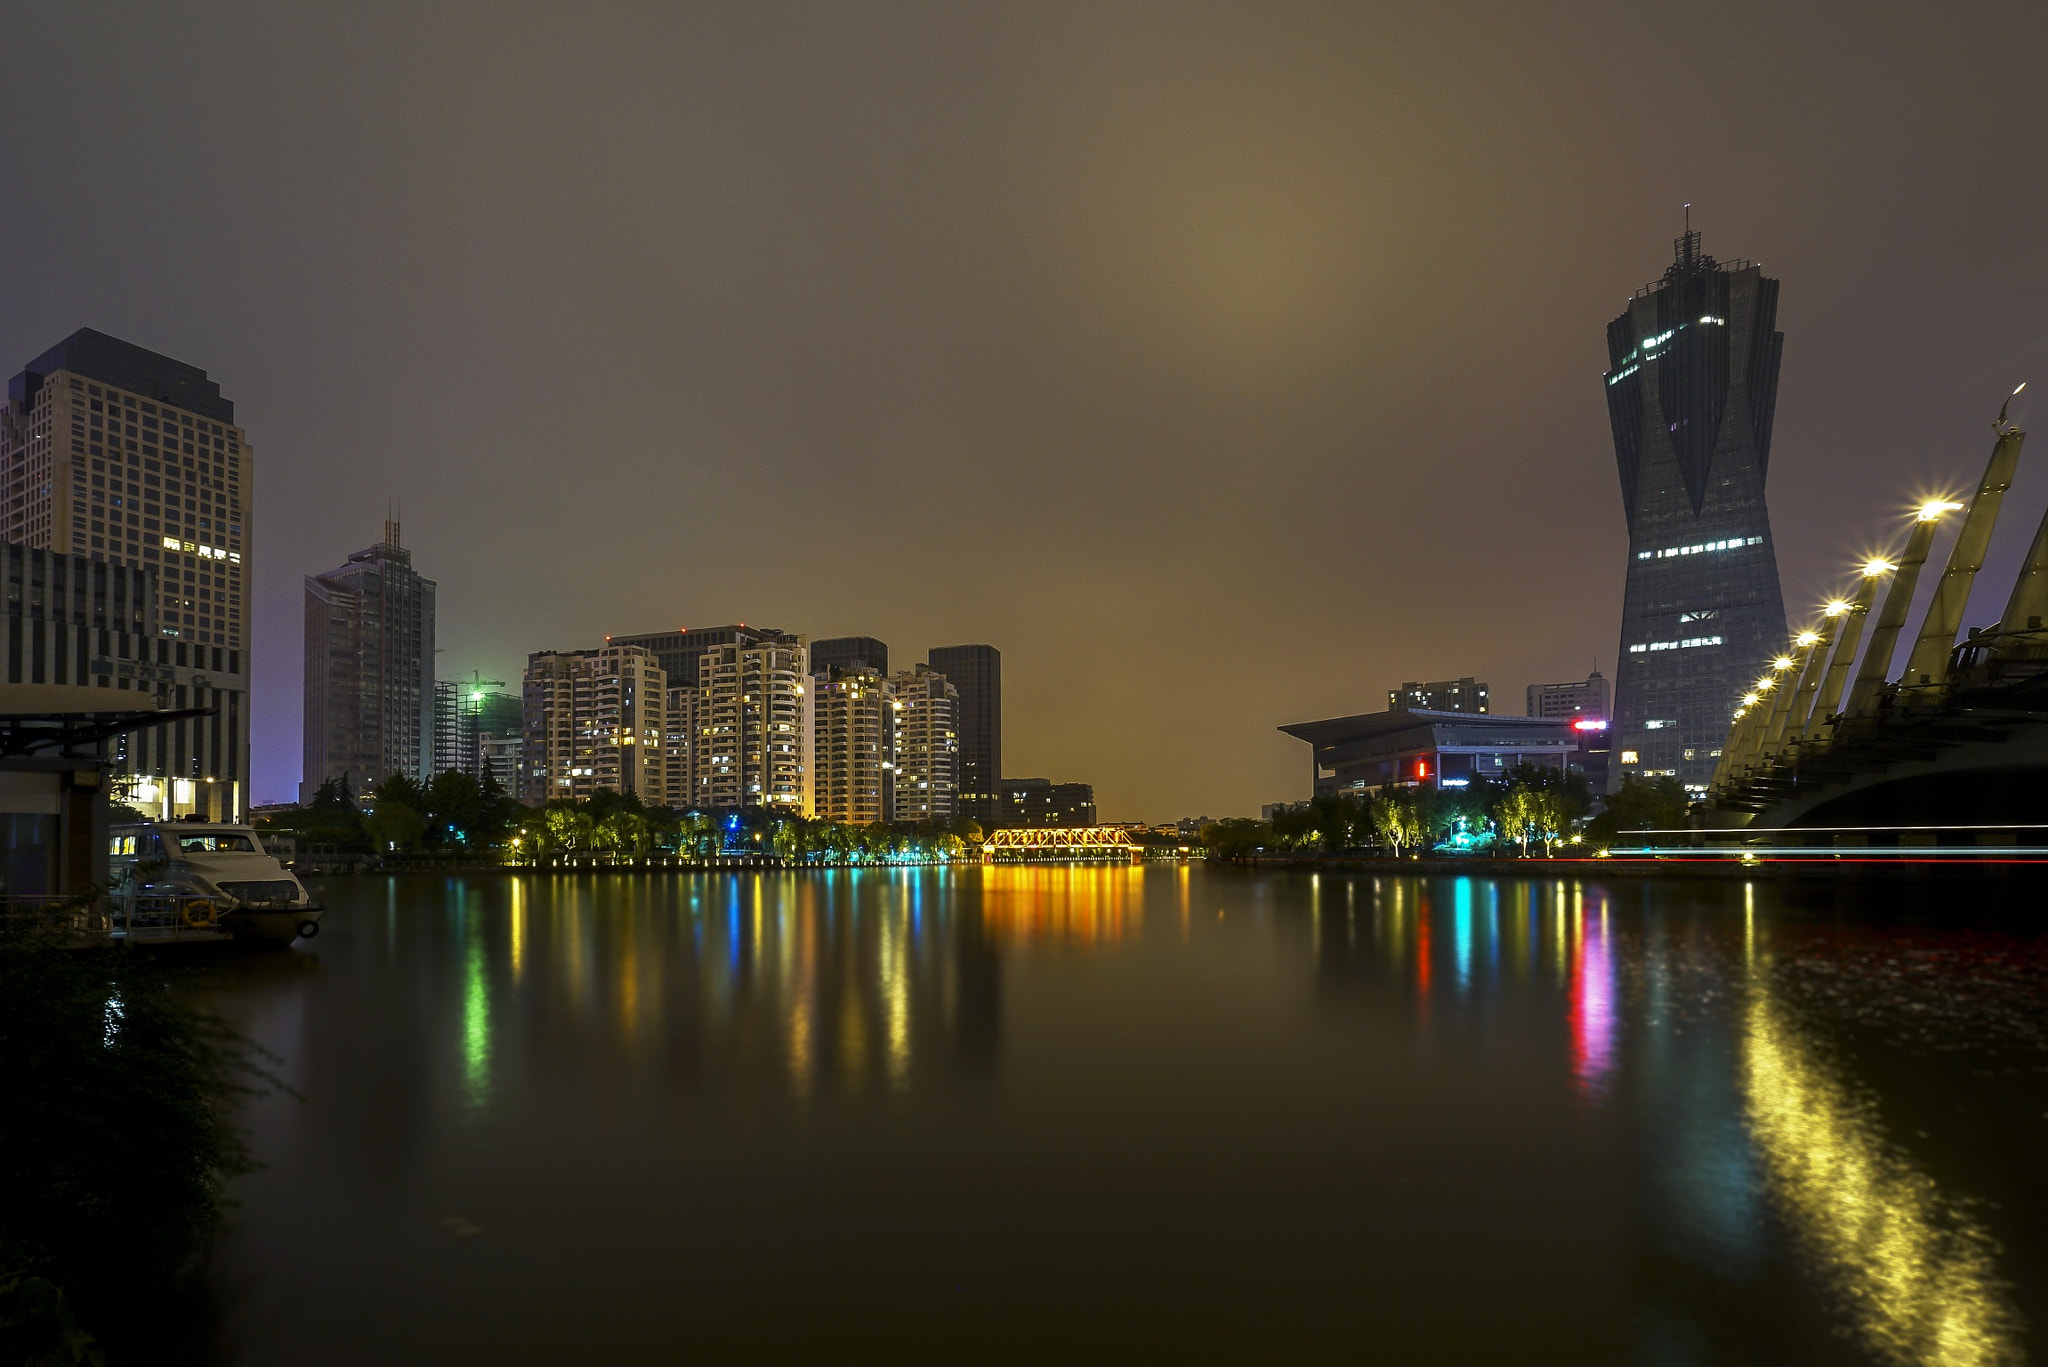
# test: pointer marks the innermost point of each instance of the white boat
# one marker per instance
(204, 880)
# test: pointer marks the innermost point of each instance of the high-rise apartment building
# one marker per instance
(369, 671)
(1692, 387)
(677, 652)
(1441, 695)
(976, 673)
(681, 747)
(754, 725)
(1585, 697)
(849, 652)
(853, 745)
(595, 719)
(119, 456)
(928, 752)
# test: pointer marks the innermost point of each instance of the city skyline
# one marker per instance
(1207, 348)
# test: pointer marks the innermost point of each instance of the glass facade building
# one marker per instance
(1692, 386)
(976, 672)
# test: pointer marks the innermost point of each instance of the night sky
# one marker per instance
(1223, 365)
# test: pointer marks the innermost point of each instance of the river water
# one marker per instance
(1066, 1114)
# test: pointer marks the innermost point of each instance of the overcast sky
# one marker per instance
(1223, 365)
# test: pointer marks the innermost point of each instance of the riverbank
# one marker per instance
(1822, 865)
(658, 864)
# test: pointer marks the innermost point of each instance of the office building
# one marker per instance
(849, 652)
(1441, 695)
(1692, 387)
(71, 620)
(369, 671)
(926, 705)
(1041, 802)
(117, 453)
(1585, 697)
(754, 725)
(595, 719)
(678, 651)
(976, 673)
(853, 733)
(1414, 746)
(124, 457)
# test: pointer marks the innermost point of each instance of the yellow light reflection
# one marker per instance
(517, 891)
(1068, 903)
(1917, 1274)
(896, 1003)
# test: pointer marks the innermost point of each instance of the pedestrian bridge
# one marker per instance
(1060, 844)
(1830, 738)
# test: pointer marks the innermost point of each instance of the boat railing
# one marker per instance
(150, 914)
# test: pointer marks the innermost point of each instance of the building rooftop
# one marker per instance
(97, 356)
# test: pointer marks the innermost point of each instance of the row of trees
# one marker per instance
(1529, 805)
(454, 813)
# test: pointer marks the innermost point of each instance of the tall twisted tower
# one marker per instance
(1692, 385)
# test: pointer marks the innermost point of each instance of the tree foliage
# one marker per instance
(1528, 804)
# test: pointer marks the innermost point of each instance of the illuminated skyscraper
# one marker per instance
(1692, 384)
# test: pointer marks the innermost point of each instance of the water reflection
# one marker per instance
(1917, 1273)
(1593, 1004)
(1593, 1105)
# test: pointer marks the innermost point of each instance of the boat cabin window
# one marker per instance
(209, 842)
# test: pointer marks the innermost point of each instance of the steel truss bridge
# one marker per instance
(1060, 844)
(1828, 739)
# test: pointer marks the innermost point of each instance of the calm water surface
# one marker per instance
(1051, 1114)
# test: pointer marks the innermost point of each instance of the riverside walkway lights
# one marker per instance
(1815, 719)
(1877, 657)
(1831, 617)
(1780, 688)
(1804, 682)
(1926, 676)
(1752, 716)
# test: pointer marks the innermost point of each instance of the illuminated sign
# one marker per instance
(1589, 724)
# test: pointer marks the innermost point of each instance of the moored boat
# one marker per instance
(204, 880)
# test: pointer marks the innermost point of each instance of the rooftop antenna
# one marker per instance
(1689, 244)
(391, 522)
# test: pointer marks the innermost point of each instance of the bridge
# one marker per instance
(1060, 844)
(1828, 738)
